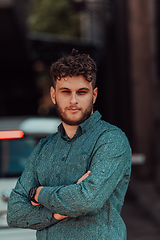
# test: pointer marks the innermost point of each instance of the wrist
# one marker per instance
(32, 194)
(37, 193)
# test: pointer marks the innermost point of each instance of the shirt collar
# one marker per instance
(83, 127)
(90, 122)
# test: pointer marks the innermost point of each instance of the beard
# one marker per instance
(63, 116)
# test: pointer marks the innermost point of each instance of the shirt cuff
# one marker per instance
(44, 197)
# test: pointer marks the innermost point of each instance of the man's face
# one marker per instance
(74, 98)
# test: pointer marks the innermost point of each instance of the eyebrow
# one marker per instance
(87, 89)
(80, 89)
(64, 88)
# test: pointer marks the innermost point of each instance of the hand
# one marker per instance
(60, 217)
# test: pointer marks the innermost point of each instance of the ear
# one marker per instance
(95, 93)
(53, 95)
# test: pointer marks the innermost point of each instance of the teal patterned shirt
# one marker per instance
(93, 207)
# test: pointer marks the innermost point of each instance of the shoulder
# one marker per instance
(112, 135)
(44, 143)
(49, 139)
(110, 131)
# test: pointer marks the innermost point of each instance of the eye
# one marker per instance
(65, 91)
(82, 92)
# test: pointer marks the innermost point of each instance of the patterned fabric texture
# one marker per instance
(93, 207)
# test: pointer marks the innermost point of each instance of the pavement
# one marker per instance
(141, 211)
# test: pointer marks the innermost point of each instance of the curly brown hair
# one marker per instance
(74, 64)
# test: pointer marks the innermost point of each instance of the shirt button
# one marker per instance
(63, 159)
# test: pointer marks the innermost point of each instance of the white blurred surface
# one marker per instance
(5, 184)
(17, 234)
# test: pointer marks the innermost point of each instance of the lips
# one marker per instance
(73, 110)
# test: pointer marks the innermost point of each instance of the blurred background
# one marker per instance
(123, 37)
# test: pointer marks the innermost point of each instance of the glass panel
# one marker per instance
(14, 154)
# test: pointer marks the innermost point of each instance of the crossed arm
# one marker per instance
(108, 170)
(56, 215)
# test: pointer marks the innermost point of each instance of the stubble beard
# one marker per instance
(86, 114)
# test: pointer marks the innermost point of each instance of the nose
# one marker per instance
(73, 99)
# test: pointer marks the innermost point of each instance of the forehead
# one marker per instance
(73, 83)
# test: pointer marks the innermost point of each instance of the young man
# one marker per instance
(75, 181)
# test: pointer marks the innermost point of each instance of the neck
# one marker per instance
(70, 130)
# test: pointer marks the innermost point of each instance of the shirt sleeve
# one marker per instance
(110, 171)
(21, 213)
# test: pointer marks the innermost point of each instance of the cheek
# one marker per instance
(89, 100)
(61, 101)
(86, 103)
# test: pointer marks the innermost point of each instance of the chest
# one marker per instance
(63, 164)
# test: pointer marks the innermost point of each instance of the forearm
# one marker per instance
(22, 214)
(61, 201)
(90, 195)
(35, 194)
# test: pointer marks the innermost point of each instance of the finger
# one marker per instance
(84, 177)
(58, 216)
(88, 173)
(35, 204)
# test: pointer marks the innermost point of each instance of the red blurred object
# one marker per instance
(11, 134)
